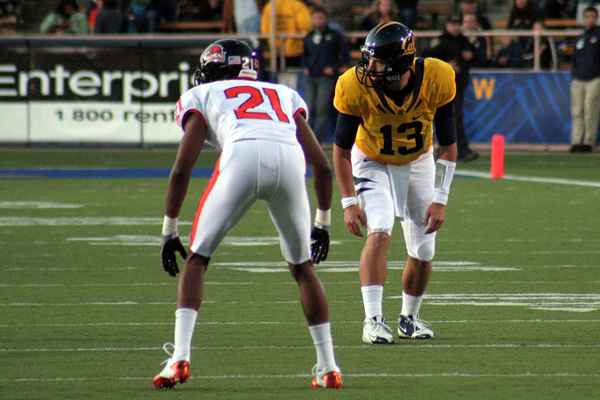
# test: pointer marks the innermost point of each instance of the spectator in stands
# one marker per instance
(481, 44)
(523, 15)
(585, 87)
(166, 10)
(293, 16)
(560, 9)
(109, 19)
(92, 14)
(453, 47)
(66, 18)
(247, 16)
(472, 7)
(339, 18)
(325, 57)
(510, 55)
(203, 10)
(407, 12)
(9, 14)
(381, 11)
(142, 17)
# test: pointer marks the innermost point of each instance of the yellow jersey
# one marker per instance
(391, 133)
(293, 16)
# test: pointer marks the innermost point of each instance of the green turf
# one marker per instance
(83, 319)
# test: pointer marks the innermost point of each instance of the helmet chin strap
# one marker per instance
(394, 77)
(393, 81)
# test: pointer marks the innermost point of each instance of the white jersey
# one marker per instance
(240, 109)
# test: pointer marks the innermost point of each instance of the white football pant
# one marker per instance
(388, 191)
(249, 170)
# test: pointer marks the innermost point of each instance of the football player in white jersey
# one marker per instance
(265, 141)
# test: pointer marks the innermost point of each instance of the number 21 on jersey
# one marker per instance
(245, 110)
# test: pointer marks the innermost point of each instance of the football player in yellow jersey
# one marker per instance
(383, 157)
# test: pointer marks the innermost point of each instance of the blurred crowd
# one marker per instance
(456, 18)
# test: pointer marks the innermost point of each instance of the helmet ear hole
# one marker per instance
(198, 78)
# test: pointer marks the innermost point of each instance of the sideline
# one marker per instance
(536, 179)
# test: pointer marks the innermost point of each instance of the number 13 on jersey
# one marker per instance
(411, 131)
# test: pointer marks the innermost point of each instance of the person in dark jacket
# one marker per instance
(523, 15)
(407, 12)
(560, 9)
(510, 55)
(109, 18)
(454, 48)
(481, 44)
(325, 57)
(381, 11)
(585, 86)
(472, 7)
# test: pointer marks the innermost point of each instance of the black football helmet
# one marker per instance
(391, 43)
(226, 59)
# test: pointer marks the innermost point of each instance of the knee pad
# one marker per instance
(424, 251)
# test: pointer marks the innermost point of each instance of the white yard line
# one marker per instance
(536, 179)
(530, 252)
(81, 221)
(334, 266)
(144, 303)
(25, 205)
(133, 284)
(352, 266)
(302, 323)
(340, 263)
(357, 375)
(414, 345)
(576, 302)
(63, 269)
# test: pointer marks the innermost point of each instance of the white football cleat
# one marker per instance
(326, 379)
(410, 327)
(375, 331)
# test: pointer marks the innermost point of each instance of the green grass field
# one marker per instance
(85, 305)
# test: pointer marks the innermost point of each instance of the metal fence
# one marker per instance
(268, 41)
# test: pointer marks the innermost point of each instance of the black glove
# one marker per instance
(171, 244)
(319, 244)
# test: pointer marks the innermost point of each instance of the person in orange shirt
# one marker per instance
(293, 16)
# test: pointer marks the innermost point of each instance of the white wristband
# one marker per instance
(169, 227)
(444, 172)
(440, 198)
(322, 218)
(349, 201)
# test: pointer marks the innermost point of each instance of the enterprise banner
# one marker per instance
(126, 93)
(92, 94)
